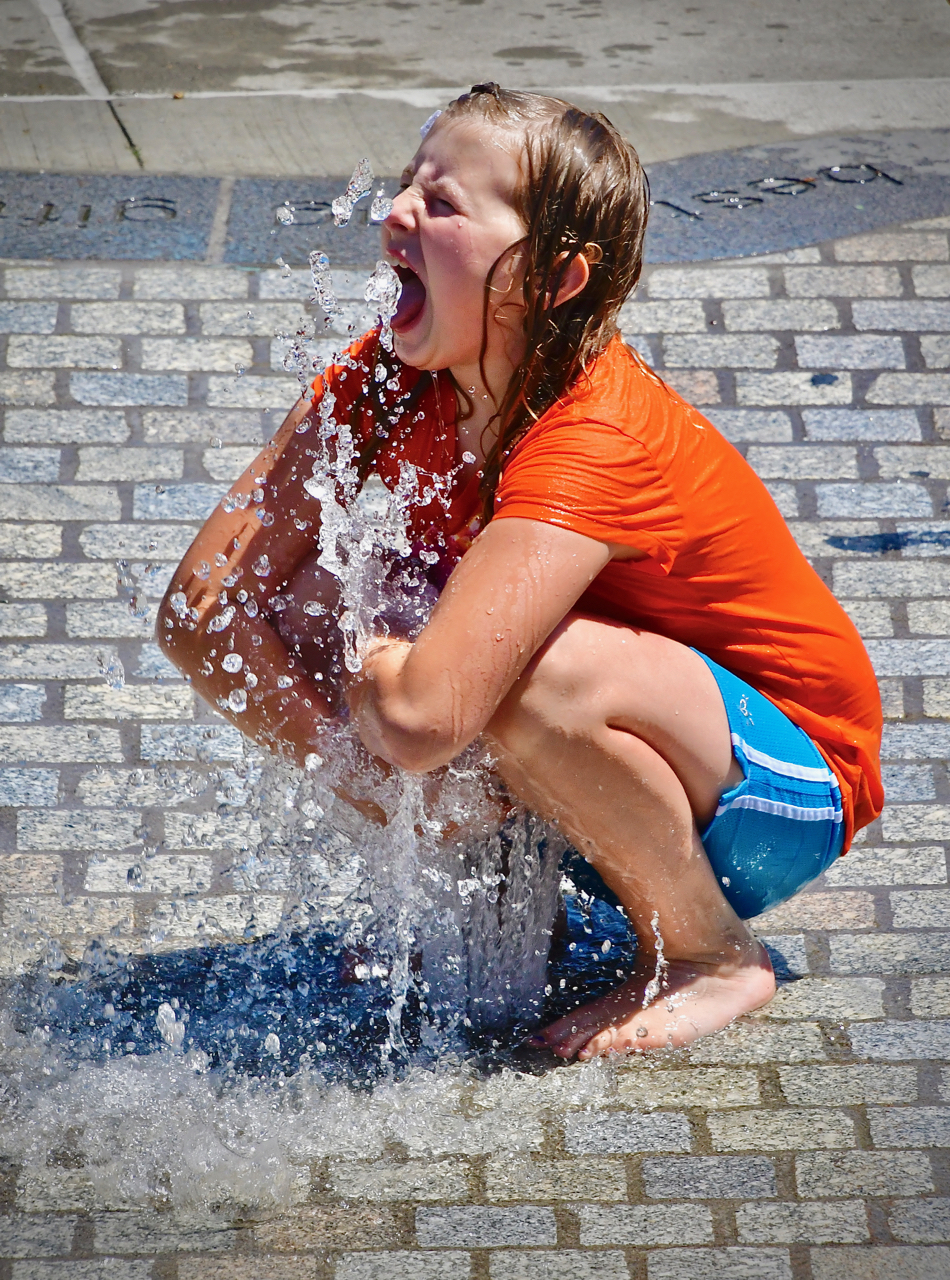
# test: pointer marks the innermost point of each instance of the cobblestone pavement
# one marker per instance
(806, 1142)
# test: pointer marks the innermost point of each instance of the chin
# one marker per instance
(412, 353)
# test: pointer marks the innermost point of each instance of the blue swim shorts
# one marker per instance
(782, 825)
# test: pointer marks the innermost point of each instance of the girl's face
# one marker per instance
(450, 222)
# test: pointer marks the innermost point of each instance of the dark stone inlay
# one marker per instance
(724, 204)
(732, 204)
(104, 216)
(256, 234)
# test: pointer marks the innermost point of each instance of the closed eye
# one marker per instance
(439, 207)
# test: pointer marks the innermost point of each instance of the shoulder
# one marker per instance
(614, 407)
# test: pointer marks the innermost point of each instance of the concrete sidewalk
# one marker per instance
(319, 134)
(301, 88)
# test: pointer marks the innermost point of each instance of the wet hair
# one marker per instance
(583, 192)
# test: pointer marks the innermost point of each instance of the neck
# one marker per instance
(486, 394)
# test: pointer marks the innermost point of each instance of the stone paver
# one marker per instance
(802, 1144)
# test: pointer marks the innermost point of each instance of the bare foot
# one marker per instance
(694, 999)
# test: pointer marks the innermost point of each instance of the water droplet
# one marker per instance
(130, 589)
(381, 207)
(314, 608)
(237, 700)
(272, 1045)
(261, 566)
(112, 669)
(284, 682)
(469, 457)
(169, 1028)
(323, 292)
(284, 214)
(232, 662)
(216, 442)
(203, 570)
(222, 620)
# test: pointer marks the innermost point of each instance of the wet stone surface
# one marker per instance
(718, 205)
(93, 216)
(805, 1143)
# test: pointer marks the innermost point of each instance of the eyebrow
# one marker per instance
(439, 183)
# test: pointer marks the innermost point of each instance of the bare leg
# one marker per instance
(622, 738)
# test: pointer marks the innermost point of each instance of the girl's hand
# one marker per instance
(382, 667)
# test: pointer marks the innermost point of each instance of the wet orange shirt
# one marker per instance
(625, 460)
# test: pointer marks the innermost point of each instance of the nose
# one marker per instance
(402, 216)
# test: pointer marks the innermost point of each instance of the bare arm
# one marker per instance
(419, 705)
(217, 606)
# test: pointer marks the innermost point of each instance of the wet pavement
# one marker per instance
(808, 1142)
(264, 90)
(186, 45)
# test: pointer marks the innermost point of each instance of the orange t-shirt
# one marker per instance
(624, 459)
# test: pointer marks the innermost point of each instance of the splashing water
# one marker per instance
(169, 1028)
(359, 185)
(323, 292)
(383, 290)
(658, 981)
(334, 995)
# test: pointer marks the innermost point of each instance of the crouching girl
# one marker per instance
(625, 620)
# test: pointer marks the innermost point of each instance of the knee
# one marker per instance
(558, 692)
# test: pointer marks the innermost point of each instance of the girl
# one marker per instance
(626, 621)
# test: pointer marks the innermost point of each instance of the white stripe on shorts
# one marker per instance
(827, 813)
(803, 772)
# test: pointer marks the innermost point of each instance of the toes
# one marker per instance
(601, 1043)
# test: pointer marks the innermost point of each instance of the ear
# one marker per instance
(575, 279)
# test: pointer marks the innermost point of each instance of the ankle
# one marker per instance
(729, 954)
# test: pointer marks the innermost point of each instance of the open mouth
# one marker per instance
(411, 300)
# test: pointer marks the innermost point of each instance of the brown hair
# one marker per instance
(584, 192)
